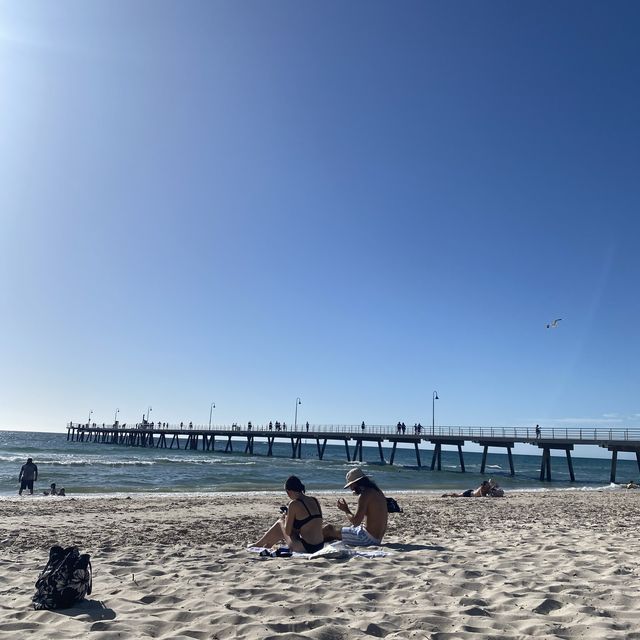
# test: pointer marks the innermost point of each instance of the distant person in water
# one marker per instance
(28, 475)
(51, 491)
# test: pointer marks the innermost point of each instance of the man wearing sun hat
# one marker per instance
(369, 523)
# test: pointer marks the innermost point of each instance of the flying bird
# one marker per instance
(554, 324)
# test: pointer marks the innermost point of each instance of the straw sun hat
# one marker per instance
(353, 476)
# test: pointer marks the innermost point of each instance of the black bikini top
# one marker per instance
(298, 524)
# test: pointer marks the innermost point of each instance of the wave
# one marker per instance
(101, 462)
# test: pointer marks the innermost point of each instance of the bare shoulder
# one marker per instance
(370, 496)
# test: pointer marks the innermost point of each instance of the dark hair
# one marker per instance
(367, 483)
(294, 483)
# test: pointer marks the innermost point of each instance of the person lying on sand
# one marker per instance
(300, 525)
(480, 492)
(632, 485)
(495, 491)
(372, 511)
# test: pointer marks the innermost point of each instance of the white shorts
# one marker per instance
(358, 537)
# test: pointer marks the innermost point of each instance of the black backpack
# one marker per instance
(393, 506)
(66, 578)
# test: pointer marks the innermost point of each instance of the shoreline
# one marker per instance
(133, 494)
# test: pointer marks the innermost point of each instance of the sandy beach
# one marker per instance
(544, 565)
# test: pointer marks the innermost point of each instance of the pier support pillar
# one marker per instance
(229, 445)
(357, 451)
(393, 451)
(380, 451)
(346, 446)
(510, 461)
(545, 464)
(625, 447)
(501, 444)
(321, 449)
(570, 465)
(483, 464)
(461, 458)
(415, 444)
(614, 464)
(437, 457)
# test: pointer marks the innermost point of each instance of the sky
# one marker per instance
(356, 204)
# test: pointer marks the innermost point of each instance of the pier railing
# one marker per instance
(601, 434)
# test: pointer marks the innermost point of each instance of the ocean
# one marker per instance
(91, 469)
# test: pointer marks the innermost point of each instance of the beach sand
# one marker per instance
(544, 565)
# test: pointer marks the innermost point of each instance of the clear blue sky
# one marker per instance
(355, 203)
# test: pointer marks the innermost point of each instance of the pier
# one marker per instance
(354, 437)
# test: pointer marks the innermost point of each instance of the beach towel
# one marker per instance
(334, 550)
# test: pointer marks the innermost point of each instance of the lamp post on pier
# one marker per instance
(433, 412)
(115, 418)
(149, 410)
(89, 418)
(211, 408)
(295, 420)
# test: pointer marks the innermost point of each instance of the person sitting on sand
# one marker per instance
(480, 492)
(300, 525)
(62, 492)
(372, 511)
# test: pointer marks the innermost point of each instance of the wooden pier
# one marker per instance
(354, 437)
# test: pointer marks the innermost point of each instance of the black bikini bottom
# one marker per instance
(311, 548)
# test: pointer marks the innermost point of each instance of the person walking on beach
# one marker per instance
(369, 523)
(28, 475)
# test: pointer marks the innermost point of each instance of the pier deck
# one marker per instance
(353, 437)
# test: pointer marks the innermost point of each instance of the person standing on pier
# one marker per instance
(28, 475)
(537, 431)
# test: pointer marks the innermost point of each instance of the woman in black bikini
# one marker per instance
(300, 526)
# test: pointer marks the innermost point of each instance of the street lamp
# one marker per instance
(149, 410)
(89, 419)
(211, 408)
(115, 418)
(295, 421)
(433, 412)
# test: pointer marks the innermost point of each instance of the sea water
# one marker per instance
(87, 468)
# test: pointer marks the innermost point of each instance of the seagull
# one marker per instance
(554, 324)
